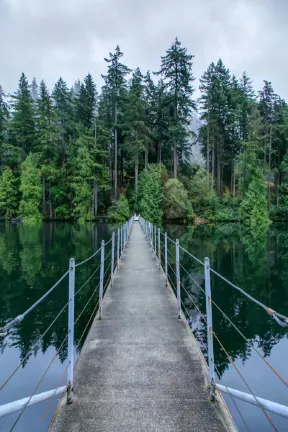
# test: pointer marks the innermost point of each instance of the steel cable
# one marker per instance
(22, 316)
(233, 364)
(37, 386)
(85, 283)
(31, 349)
(88, 259)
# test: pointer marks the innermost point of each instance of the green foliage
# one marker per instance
(31, 190)
(176, 72)
(9, 199)
(253, 209)
(199, 190)
(150, 189)
(176, 204)
(119, 211)
(22, 125)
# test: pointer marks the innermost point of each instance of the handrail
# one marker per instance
(279, 318)
(150, 232)
(20, 318)
(21, 405)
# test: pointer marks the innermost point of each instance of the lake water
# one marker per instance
(33, 258)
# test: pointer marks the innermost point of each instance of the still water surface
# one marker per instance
(33, 258)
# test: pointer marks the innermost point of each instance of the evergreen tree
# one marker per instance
(65, 120)
(4, 117)
(8, 193)
(31, 190)
(176, 70)
(151, 193)
(247, 99)
(135, 126)
(175, 201)
(47, 148)
(34, 89)
(114, 89)
(119, 210)
(22, 125)
(86, 102)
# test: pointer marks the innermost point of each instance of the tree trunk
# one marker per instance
(95, 198)
(43, 196)
(50, 205)
(175, 160)
(116, 154)
(277, 178)
(234, 182)
(218, 174)
(146, 158)
(269, 163)
(208, 146)
(213, 166)
(136, 172)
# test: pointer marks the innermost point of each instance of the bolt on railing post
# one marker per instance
(159, 248)
(178, 279)
(71, 331)
(118, 247)
(209, 328)
(112, 256)
(166, 260)
(101, 279)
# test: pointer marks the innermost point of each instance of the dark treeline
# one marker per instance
(70, 152)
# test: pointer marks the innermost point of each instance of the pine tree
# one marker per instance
(135, 126)
(247, 100)
(176, 70)
(8, 193)
(4, 117)
(22, 125)
(86, 102)
(34, 89)
(64, 116)
(47, 145)
(114, 89)
(31, 190)
(151, 193)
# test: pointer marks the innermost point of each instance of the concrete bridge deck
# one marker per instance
(140, 368)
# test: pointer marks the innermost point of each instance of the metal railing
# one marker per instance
(153, 236)
(118, 242)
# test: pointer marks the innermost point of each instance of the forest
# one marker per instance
(81, 152)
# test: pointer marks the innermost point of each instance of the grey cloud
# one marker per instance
(71, 37)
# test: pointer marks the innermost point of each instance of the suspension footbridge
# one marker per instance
(141, 367)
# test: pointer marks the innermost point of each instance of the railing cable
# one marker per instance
(232, 362)
(88, 259)
(31, 349)
(20, 318)
(85, 283)
(37, 386)
(277, 316)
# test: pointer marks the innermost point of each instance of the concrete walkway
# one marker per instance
(140, 369)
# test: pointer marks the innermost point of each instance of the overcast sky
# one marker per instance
(69, 38)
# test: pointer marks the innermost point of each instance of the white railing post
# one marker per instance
(155, 247)
(209, 328)
(166, 260)
(118, 247)
(178, 279)
(112, 256)
(121, 241)
(159, 248)
(101, 279)
(71, 331)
